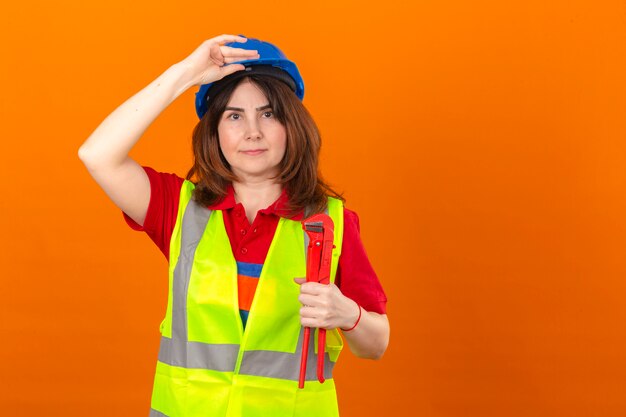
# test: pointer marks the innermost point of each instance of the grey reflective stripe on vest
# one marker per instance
(199, 355)
(155, 413)
(178, 351)
(285, 365)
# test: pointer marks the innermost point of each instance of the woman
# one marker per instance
(232, 336)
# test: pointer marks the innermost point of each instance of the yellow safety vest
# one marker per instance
(208, 364)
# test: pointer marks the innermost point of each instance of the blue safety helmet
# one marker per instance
(272, 62)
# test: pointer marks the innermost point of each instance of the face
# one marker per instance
(252, 140)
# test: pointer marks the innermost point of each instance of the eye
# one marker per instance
(268, 114)
(233, 116)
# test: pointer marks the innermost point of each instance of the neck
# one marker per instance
(256, 195)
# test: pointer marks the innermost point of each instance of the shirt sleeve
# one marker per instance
(162, 209)
(355, 276)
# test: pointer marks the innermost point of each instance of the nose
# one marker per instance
(253, 130)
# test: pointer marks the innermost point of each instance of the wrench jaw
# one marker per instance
(319, 221)
(320, 229)
(313, 227)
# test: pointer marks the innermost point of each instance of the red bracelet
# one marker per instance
(357, 321)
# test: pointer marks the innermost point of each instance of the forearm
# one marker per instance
(113, 139)
(369, 339)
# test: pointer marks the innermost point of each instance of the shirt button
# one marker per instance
(243, 231)
(254, 231)
(244, 250)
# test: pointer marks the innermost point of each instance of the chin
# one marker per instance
(257, 173)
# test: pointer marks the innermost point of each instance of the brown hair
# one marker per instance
(298, 170)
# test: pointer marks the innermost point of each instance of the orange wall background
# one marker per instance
(481, 142)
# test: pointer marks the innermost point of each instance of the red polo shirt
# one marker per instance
(250, 242)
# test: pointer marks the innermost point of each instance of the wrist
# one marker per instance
(356, 318)
(178, 75)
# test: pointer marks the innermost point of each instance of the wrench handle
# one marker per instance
(321, 347)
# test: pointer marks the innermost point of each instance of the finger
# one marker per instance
(229, 38)
(241, 56)
(229, 69)
(315, 322)
(300, 281)
(308, 312)
(230, 51)
(309, 322)
(309, 300)
(231, 60)
(313, 288)
(215, 55)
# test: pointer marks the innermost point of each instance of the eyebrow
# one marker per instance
(267, 106)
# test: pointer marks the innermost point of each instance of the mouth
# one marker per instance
(253, 152)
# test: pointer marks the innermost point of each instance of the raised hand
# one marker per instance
(208, 63)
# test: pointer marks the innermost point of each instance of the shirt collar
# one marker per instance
(280, 207)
